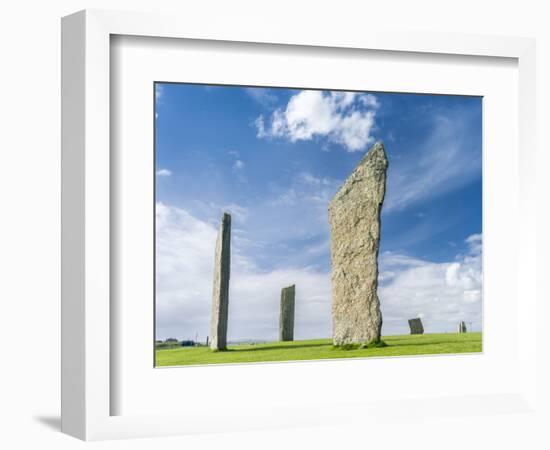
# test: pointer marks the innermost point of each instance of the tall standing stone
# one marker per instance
(354, 217)
(220, 295)
(462, 327)
(416, 326)
(286, 316)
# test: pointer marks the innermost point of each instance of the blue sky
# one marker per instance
(273, 158)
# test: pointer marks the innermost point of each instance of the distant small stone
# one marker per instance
(462, 327)
(286, 316)
(416, 326)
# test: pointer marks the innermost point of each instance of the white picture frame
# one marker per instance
(87, 325)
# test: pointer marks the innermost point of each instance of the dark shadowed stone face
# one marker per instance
(416, 326)
(354, 218)
(286, 317)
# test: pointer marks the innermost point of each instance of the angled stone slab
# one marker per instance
(286, 316)
(416, 326)
(354, 218)
(220, 294)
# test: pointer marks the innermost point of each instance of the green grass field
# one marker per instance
(404, 345)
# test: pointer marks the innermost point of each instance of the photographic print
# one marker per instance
(307, 224)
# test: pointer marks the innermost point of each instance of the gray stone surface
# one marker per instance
(416, 326)
(220, 295)
(354, 218)
(286, 316)
(462, 327)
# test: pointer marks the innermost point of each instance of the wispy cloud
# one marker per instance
(264, 96)
(164, 173)
(159, 91)
(239, 212)
(447, 159)
(238, 165)
(343, 118)
(210, 212)
(308, 189)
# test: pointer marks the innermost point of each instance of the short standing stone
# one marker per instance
(462, 327)
(354, 217)
(220, 295)
(286, 317)
(416, 326)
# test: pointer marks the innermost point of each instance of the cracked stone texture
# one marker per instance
(286, 316)
(416, 326)
(220, 295)
(354, 218)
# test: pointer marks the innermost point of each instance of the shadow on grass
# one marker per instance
(275, 347)
(394, 344)
(405, 343)
(336, 348)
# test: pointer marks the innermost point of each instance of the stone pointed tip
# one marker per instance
(375, 160)
(378, 147)
(376, 151)
(226, 217)
(376, 155)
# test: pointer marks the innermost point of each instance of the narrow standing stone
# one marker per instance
(220, 296)
(354, 217)
(462, 327)
(286, 317)
(416, 326)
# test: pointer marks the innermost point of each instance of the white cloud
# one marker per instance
(445, 292)
(475, 242)
(442, 293)
(238, 165)
(263, 96)
(369, 100)
(344, 118)
(185, 257)
(307, 190)
(260, 127)
(237, 211)
(210, 212)
(312, 180)
(164, 173)
(159, 91)
(238, 169)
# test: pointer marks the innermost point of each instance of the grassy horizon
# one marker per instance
(315, 349)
